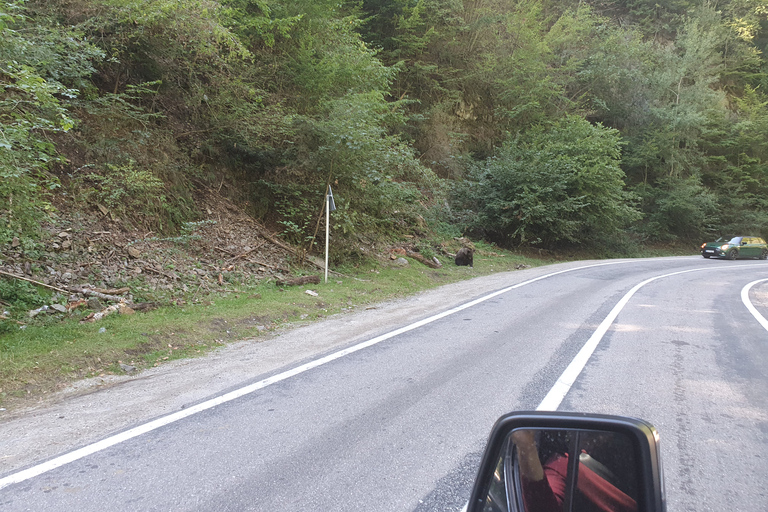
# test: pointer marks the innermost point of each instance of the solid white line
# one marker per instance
(750, 307)
(232, 395)
(556, 395)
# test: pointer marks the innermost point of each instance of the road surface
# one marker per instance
(389, 410)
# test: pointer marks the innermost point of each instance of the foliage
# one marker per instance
(559, 184)
(141, 101)
(295, 209)
(670, 97)
(680, 208)
(477, 69)
(21, 295)
(378, 184)
(28, 108)
(737, 166)
(334, 63)
(126, 191)
(253, 21)
(35, 63)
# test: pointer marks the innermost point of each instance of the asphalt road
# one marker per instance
(399, 422)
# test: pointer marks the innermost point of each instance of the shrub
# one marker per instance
(127, 191)
(560, 184)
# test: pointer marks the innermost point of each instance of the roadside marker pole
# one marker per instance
(327, 226)
(330, 206)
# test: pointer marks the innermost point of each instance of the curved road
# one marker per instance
(398, 420)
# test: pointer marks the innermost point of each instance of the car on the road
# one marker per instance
(736, 247)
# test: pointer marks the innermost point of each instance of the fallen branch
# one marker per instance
(421, 258)
(226, 251)
(3, 317)
(122, 308)
(98, 295)
(247, 252)
(75, 289)
(264, 264)
(195, 295)
(101, 314)
(160, 272)
(263, 232)
(38, 283)
(143, 306)
(76, 304)
(118, 291)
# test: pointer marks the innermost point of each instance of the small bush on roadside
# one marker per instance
(21, 294)
(132, 193)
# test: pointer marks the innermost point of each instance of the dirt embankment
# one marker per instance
(100, 253)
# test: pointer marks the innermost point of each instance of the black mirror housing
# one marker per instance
(640, 435)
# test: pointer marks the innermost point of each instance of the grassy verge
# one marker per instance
(52, 352)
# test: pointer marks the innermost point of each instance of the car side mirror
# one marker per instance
(569, 462)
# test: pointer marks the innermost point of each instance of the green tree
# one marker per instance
(678, 208)
(341, 129)
(477, 71)
(380, 187)
(557, 185)
(736, 168)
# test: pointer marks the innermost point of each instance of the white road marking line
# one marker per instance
(72, 456)
(750, 307)
(556, 395)
(562, 386)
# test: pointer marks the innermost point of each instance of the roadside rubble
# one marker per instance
(98, 264)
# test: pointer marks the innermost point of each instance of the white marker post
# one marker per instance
(329, 207)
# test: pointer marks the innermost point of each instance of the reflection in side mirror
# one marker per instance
(545, 476)
(553, 462)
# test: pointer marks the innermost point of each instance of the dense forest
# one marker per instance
(548, 123)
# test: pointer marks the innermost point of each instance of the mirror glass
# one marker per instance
(537, 471)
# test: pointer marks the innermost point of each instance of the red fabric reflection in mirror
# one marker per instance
(548, 494)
